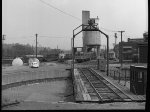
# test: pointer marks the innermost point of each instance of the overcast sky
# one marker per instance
(22, 19)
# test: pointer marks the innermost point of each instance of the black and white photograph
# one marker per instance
(74, 55)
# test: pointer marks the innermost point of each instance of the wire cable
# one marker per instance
(72, 15)
(59, 10)
(55, 36)
(108, 30)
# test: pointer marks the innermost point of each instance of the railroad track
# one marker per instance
(100, 89)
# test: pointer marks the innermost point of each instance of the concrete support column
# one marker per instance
(98, 57)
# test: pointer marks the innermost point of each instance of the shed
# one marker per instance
(138, 79)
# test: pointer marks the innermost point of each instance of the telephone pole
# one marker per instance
(121, 47)
(36, 44)
(3, 38)
(115, 38)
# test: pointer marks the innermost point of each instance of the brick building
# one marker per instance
(134, 50)
(129, 52)
(143, 49)
(143, 52)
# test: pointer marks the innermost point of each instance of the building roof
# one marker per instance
(34, 55)
(143, 44)
(145, 34)
(136, 40)
(140, 65)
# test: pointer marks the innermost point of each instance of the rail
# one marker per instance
(105, 84)
(93, 86)
(105, 91)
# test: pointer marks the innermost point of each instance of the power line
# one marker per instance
(72, 15)
(55, 36)
(108, 30)
(25, 37)
(60, 10)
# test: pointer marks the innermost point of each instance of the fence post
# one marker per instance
(114, 74)
(125, 77)
(119, 75)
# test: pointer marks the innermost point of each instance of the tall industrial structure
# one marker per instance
(91, 39)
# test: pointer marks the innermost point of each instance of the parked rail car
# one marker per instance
(81, 56)
(52, 57)
(68, 56)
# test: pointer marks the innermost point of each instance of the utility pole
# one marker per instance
(121, 46)
(105, 51)
(107, 55)
(36, 44)
(3, 38)
(72, 52)
(115, 38)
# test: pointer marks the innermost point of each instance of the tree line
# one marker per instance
(20, 50)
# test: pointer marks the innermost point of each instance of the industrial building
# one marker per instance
(112, 55)
(143, 52)
(91, 39)
(134, 50)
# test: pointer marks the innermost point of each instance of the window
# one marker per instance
(127, 47)
(133, 75)
(140, 76)
(127, 57)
